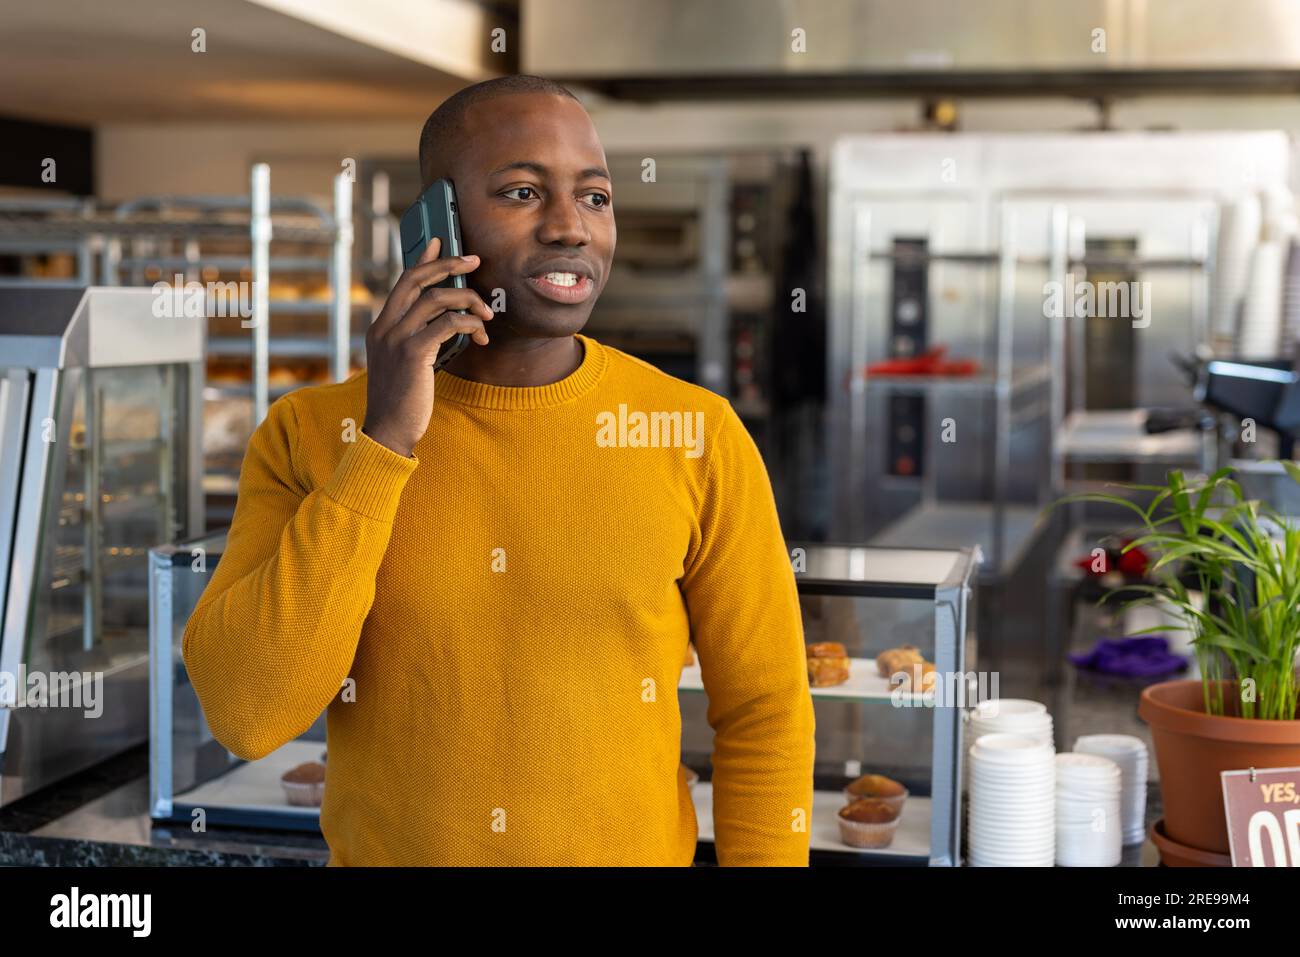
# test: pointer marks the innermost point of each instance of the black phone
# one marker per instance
(435, 214)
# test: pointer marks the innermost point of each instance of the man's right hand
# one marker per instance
(402, 344)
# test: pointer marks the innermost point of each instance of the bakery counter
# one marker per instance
(100, 818)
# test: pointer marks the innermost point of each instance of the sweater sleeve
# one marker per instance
(744, 612)
(273, 635)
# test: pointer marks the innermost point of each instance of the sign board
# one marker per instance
(1262, 807)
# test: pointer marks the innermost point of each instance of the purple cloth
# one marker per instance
(1145, 657)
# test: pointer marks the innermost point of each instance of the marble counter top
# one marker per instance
(101, 818)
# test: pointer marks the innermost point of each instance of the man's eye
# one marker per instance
(521, 189)
(604, 200)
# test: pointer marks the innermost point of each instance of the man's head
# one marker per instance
(534, 198)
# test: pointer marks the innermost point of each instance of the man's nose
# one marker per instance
(562, 224)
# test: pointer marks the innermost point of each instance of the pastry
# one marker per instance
(690, 656)
(304, 785)
(878, 787)
(896, 659)
(278, 290)
(868, 823)
(917, 678)
(828, 664)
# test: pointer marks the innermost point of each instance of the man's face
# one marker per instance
(535, 206)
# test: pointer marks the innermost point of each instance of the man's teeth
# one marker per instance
(561, 278)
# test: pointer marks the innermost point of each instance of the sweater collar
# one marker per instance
(579, 382)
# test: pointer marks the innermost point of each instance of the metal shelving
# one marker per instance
(260, 220)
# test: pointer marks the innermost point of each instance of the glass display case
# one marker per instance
(98, 463)
(189, 770)
(871, 600)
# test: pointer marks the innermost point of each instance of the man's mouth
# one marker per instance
(565, 287)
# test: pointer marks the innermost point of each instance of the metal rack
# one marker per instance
(120, 246)
(242, 241)
(262, 220)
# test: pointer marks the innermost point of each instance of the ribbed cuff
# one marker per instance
(369, 479)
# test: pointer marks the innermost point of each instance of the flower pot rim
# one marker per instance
(1159, 712)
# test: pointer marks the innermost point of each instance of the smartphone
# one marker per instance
(435, 214)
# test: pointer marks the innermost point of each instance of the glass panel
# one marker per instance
(194, 754)
(116, 488)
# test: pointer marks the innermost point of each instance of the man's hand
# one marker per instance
(402, 344)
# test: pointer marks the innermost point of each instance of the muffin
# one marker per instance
(828, 664)
(304, 785)
(878, 787)
(868, 823)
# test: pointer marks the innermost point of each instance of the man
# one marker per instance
(492, 583)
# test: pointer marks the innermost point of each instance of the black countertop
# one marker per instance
(101, 818)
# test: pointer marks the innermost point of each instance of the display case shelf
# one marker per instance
(911, 843)
(864, 684)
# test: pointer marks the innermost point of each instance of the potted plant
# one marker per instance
(1244, 558)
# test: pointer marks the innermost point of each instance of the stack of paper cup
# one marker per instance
(1011, 716)
(1012, 802)
(1088, 826)
(1007, 716)
(1130, 754)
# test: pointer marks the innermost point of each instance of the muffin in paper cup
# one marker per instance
(304, 786)
(875, 827)
(879, 788)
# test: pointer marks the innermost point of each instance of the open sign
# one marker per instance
(1263, 812)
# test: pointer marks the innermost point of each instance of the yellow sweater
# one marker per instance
(497, 624)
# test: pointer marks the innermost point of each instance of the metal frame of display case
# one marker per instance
(944, 577)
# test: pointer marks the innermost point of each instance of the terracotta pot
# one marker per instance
(1192, 747)
(1173, 854)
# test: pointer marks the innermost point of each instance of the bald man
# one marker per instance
(491, 584)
